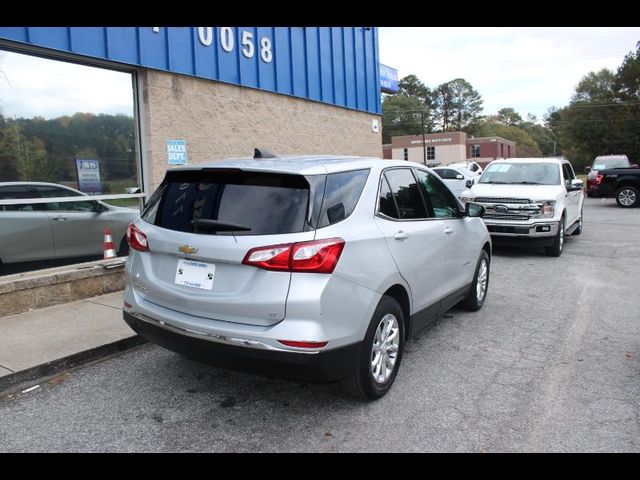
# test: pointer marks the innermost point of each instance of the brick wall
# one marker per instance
(219, 120)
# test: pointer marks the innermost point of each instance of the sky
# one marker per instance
(31, 86)
(527, 68)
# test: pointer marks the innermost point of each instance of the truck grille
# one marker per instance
(519, 201)
(504, 216)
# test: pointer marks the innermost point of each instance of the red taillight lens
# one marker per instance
(318, 256)
(137, 239)
(293, 343)
(599, 179)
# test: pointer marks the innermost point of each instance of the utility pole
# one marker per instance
(424, 145)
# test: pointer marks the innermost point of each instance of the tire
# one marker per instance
(555, 249)
(578, 230)
(362, 383)
(480, 285)
(627, 197)
(123, 251)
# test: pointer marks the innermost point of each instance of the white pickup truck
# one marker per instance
(539, 199)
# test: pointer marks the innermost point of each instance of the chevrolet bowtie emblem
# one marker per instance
(187, 249)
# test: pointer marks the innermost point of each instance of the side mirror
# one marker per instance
(459, 176)
(587, 169)
(576, 184)
(474, 210)
(98, 207)
(469, 183)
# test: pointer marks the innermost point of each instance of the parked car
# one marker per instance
(538, 199)
(603, 162)
(457, 179)
(55, 230)
(621, 183)
(473, 167)
(317, 268)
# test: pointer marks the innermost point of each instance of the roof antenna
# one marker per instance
(263, 153)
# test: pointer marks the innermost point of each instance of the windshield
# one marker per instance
(522, 173)
(604, 163)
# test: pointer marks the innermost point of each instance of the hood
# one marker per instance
(533, 192)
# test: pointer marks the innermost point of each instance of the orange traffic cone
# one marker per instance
(109, 251)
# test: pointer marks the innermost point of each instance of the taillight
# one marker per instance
(137, 239)
(317, 256)
(599, 179)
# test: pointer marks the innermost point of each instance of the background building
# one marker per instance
(197, 93)
(446, 148)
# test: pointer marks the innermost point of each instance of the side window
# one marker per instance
(386, 203)
(341, 195)
(568, 173)
(47, 191)
(406, 193)
(442, 200)
(13, 192)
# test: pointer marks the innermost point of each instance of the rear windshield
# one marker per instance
(612, 162)
(263, 203)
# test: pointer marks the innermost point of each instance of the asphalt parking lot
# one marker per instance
(549, 364)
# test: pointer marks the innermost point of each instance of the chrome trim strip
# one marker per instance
(215, 337)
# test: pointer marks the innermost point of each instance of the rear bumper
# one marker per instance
(327, 365)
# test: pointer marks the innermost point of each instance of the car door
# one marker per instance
(461, 248)
(573, 198)
(25, 230)
(416, 241)
(78, 227)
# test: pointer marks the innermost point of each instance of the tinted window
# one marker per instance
(46, 191)
(268, 204)
(406, 193)
(442, 200)
(568, 173)
(341, 195)
(446, 173)
(12, 192)
(15, 191)
(387, 204)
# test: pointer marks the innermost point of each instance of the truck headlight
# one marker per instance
(548, 209)
(466, 200)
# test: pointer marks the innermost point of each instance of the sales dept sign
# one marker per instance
(177, 152)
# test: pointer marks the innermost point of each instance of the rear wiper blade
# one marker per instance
(215, 225)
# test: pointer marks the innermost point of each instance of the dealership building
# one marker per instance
(445, 148)
(195, 94)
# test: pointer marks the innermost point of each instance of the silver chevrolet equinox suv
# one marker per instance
(315, 267)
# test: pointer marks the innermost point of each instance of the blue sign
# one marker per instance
(388, 79)
(177, 152)
(88, 176)
(335, 65)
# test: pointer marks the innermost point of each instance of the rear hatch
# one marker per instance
(200, 224)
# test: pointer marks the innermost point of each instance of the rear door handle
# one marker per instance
(448, 230)
(60, 219)
(400, 235)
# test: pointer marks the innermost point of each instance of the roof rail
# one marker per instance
(263, 153)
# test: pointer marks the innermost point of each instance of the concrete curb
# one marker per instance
(14, 379)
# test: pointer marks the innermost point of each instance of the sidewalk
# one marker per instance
(44, 341)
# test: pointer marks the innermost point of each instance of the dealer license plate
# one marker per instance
(191, 273)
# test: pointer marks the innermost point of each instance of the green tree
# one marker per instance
(401, 115)
(457, 105)
(526, 146)
(508, 116)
